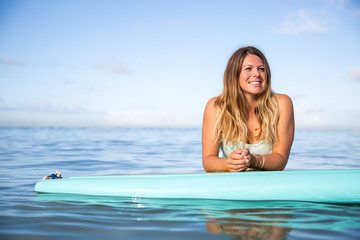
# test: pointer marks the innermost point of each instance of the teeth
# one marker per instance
(254, 83)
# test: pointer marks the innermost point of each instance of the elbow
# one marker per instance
(283, 164)
(280, 163)
(277, 168)
(205, 167)
(211, 165)
(282, 168)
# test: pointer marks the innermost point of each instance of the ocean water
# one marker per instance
(28, 154)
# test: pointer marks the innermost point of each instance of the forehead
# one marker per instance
(252, 60)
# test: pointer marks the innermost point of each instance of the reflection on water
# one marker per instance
(29, 154)
(241, 220)
(247, 231)
(267, 226)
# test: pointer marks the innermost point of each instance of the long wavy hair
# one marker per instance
(231, 104)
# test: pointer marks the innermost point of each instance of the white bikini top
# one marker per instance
(258, 148)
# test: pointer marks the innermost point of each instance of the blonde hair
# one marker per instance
(231, 104)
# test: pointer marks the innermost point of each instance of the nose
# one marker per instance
(255, 72)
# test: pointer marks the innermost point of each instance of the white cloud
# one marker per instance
(306, 116)
(49, 108)
(42, 108)
(114, 67)
(302, 21)
(321, 118)
(10, 62)
(306, 109)
(355, 74)
(143, 118)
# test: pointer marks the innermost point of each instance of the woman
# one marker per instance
(253, 126)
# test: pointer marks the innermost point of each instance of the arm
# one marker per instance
(210, 148)
(236, 161)
(277, 160)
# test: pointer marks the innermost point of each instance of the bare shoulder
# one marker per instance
(285, 101)
(210, 110)
(211, 101)
(286, 108)
(210, 106)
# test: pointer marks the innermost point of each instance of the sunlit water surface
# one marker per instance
(27, 155)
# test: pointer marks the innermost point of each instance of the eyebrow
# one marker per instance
(249, 65)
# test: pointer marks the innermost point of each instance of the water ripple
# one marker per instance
(27, 155)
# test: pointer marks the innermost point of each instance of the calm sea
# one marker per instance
(28, 154)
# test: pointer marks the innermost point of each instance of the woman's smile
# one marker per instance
(252, 75)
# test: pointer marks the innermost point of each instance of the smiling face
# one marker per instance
(252, 76)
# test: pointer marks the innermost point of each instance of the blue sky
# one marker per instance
(156, 63)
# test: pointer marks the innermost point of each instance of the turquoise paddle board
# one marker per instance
(330, 186)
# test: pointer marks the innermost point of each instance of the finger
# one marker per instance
(238, 150)
(231, 161)
(234, 170)
(243, 155)
(246, 151)
(238, 162)
(234, 155)
(237, 167)
(237, 156)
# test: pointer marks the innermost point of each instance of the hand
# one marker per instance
(238, 160)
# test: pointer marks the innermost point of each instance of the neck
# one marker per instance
(251, 102)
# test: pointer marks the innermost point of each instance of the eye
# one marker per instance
(262, 69)
(247, 68)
